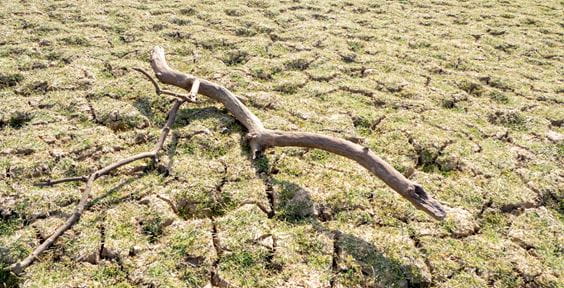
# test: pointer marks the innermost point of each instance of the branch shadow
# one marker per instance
(100, 199)
(375, 265)
(293, 205)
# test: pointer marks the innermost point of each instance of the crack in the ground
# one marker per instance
(265, 172)
(92, 111)
(270, 263)
(424, 253)
(215, 279)
(363, 92)
(543, 198)
(170, 203)
(102, 231)
(426, 156)
(218, 189)
(271, 253)
(38, 234)
(336, 258)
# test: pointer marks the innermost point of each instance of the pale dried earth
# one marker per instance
(464, 97)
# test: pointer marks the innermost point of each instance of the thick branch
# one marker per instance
(261, 138)
(169, 76)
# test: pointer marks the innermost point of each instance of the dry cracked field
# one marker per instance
(464, 97)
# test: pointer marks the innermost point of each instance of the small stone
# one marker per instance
(44, 42)
(302, 115)
(168, 222)
(522, 154)
(92, 258)
(264, 100)
(18, 151)
(7, 152)
(464, 224)
(7, 207)
(135, 250)
(109, 254)
(144, 201)
(501, 135)
(367, 72)
(460, 97)
(49, 139)
(554, 136)
(57, 153)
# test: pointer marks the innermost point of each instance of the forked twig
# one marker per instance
(259, 138)
(19, 267)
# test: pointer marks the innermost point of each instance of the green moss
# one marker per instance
(510, 118)
(9, 226)
(318, 155)
(498, 96)
(153, 227)
(182, 243)
(19, 119)
(108, 273)
(75, 40)
(471, 87)
(235, 57)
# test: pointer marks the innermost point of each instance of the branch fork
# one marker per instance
(259, 139)
(19, 267)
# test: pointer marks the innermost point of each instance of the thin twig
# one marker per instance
(19, 267)
(50, 182)
(189, 98)
(155, 84)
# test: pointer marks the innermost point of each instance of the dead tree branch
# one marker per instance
(19, 267)
(261, 138)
